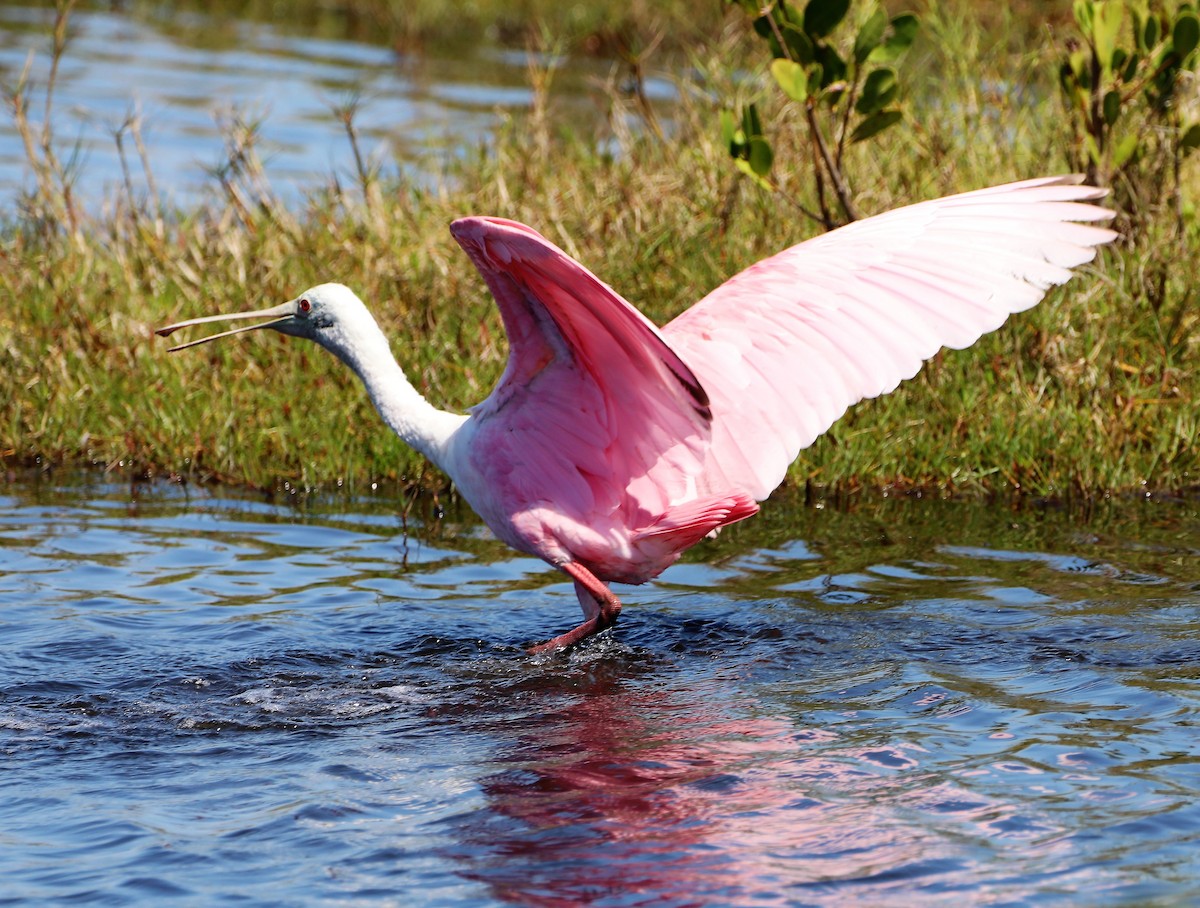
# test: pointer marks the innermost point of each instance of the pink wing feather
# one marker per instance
(594, 413)
(787, 345)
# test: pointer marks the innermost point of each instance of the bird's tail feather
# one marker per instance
(686, 524)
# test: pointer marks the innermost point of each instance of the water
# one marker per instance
(209, 698)
(186, 75)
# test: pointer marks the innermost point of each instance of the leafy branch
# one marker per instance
(849, 93)
(1123, 99)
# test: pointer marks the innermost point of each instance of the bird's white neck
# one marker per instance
(419, 424)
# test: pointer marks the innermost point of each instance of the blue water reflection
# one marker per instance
(206, 697)
(187, 76)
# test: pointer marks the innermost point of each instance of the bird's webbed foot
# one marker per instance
(599, 605)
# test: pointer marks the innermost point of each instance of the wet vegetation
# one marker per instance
(1094, 391)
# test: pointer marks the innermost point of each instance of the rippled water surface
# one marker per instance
(186, 74)
(210, 698)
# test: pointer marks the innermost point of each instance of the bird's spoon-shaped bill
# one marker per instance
(276, 315)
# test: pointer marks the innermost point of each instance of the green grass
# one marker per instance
(1095, 390)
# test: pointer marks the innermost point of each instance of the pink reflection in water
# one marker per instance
(669, 798)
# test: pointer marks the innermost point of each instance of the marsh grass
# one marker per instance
(1095, 390)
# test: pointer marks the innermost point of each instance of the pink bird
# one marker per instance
(609, 446)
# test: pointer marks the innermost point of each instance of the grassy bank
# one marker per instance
(1094, 390)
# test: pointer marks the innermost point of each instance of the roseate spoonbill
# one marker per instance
(609, 446)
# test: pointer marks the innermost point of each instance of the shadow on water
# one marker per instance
(215, 697)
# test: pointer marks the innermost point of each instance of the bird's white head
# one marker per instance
(330, 314)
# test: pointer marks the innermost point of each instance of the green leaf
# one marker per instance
(869, 36)
(729, 131)
(762, 25)
(1124, 149)
(875, 123)
(1131, 67)
(744, 166)
(761, 157)
(784, 14)
(816, 77)
(1112, 106)
(878, 91)
(1186, 35)
(798, 43)
(1106, 26)
(822, 16)
(833, 67)
(1085, 11)
(751, 152)
(751, 124)
(1139, 25)
(901, 32)
(1162, 59)
(1189, 139)
(1093, 150)
(792, 78)
(1150, 34)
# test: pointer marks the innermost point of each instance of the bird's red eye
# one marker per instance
(305, 305)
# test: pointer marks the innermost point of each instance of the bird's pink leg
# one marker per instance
(608, 605)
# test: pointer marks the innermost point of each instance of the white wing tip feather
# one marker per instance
(905, 283)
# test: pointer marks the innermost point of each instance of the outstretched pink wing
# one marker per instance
(594, 413)
(787, 345)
